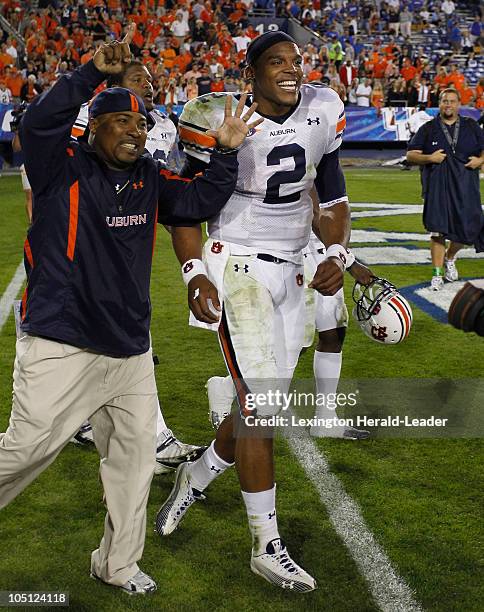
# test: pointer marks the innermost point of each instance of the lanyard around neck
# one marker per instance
(451, 140)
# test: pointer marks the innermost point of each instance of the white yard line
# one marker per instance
(11, 292)
(388, 589)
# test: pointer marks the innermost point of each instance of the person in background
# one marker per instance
(450, 148)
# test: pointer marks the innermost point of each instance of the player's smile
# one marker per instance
(288, 85)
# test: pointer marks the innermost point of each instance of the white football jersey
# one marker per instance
(270, 209)
(314, 244)
(161, 141)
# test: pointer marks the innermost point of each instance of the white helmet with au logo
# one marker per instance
(382, 313)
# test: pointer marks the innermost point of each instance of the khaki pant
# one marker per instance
(56, 387)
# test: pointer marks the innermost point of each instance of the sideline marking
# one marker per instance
(388, 589)
(11, 292)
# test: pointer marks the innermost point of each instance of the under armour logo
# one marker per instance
(138, 185)
(214, 469)
(287, 585)
(238, 268)
(311, 121)
(434, 143)
(379, 333)
(217, 247)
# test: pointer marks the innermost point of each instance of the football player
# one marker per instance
(162, 144)
(326, 314)
(253, 265)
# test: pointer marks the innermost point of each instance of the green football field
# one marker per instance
(393, 524)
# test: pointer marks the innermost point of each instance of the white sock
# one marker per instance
(207, 468)
(161, 428)
(261, 514)
(327, 371)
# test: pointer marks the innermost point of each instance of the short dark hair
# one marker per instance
(449, 90)
(115, 80)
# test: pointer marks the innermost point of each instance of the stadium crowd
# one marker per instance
(193, 47)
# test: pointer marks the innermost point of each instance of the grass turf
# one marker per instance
(421, 498)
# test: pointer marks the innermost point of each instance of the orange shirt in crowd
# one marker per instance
(153, 28)
(377, 99)
(456, 79)
(116, 27)
(379, 68)
(466, 95)
(168, 56)
(138, 39)
(206, 15)
(408, 72)
(78, 38)
(441, 79)
(182, 61)
(86, 57)
(6, 59)
(315, 75)
(14, 82)
(168, 18)
(217, 85)
(388, 51)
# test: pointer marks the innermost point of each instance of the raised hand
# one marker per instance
(111, 58)
(231, 134)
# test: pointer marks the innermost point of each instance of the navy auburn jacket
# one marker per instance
(88, 263)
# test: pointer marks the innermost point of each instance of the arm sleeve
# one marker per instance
(337, 125)
(330, 181)
(193, 166)
(45, 130)
(185, 201)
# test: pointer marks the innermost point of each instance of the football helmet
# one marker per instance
(382, 313)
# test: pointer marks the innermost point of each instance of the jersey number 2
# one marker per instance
(285, 176)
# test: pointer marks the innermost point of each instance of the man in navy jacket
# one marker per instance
(85, 350)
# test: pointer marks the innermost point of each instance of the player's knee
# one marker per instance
(263, 404)
(331, 340)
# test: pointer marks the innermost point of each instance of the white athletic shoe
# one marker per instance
(170, 452)
(219, 402)
(182, 496)
(450, 273)
(437, 283)
(84, 436)
(139, 584)
(277, 567)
